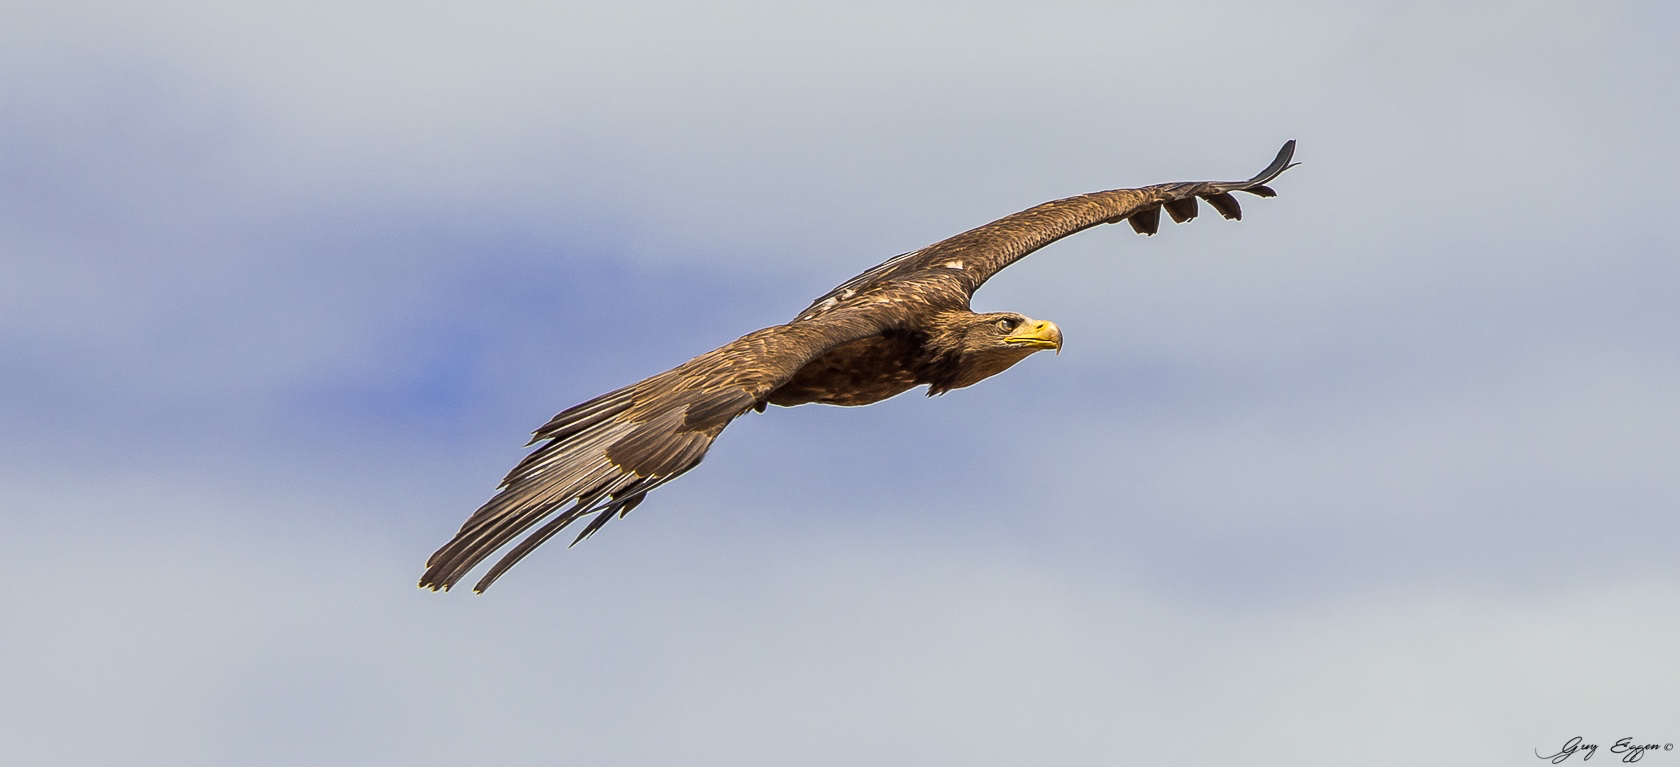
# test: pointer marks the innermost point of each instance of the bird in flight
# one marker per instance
(902, 324)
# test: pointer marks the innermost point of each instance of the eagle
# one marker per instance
(902, 324)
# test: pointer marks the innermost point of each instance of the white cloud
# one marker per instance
(197, 639)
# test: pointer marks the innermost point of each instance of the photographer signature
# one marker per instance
(1629, 751)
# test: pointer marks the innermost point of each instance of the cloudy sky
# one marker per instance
(1384, 473)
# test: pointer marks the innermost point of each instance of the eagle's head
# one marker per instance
(972, 347)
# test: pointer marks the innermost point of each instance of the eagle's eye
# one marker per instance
(1007, 324)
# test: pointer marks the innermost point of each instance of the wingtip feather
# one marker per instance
(1226, 205)
(1181, 210)
(1147, 221)
(1279, 164)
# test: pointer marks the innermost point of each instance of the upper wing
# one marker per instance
(971, 258)
(604, 455)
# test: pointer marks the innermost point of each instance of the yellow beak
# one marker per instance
(1037, 334)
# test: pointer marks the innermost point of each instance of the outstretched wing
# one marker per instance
(605, 455)
(969, 259)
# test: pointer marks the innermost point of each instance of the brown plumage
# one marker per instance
(902, 324)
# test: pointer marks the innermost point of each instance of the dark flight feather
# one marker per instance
(903, 323)
(1146, 221)
(1181, 210)
(1226, 205)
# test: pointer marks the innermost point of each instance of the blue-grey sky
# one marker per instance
(1386, 472)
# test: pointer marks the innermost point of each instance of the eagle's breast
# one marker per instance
(858, 373)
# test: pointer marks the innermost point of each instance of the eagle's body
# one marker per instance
(902, 324)
(862, 372)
